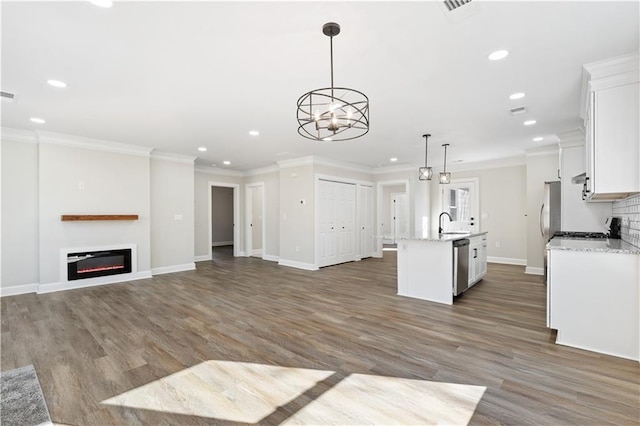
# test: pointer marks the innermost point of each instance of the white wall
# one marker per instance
(257, 216)
(221, 215)
(297, 226)
(75, 180)
(172, 207)
(503, 210)
(578, 215)
(19, 214)
(541, 168)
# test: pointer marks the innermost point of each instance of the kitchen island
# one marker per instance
(426, 267)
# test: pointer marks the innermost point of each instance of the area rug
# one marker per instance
(21, 399)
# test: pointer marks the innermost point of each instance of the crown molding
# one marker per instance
(51, 138)
(607, 73)
(571, 138)
(321, 161)
(170, 156)
(296, 162)
(519, 160)
(18, 135)
(262, 171)
(217, 171)
(393, 169)
(543, 150)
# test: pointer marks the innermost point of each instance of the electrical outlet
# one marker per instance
(498, 245)
(297, 248)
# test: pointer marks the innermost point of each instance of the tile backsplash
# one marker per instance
(629, 210)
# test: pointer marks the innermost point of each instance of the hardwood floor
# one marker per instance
(106, 343)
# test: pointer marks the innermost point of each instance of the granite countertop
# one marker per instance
(598, 245)
(433, 235)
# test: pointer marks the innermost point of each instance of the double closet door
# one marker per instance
(337, 222)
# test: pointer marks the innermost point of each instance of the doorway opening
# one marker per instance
(393, 215)
(223, 217)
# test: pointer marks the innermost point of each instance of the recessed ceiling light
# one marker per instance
(37, 120)
(226, 163)
(538, 139)
(498, 54)
(254, 133)
(57, 83)
(518, 95)
(529, 122)
(202, 149)
(327, 139)
(393, 159)
(102, 3)
(214, 165)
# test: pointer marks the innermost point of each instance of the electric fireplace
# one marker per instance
(100, 263)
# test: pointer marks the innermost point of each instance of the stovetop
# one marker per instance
(577, 234)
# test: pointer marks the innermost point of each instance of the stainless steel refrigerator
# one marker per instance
(550, 216)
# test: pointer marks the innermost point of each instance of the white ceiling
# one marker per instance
(178, 75)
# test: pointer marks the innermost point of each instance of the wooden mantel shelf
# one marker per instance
(76, 217)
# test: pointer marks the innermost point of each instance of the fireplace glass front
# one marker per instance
(98, 264)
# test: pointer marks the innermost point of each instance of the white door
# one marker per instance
(327, 238)
(254, 235)
(460, 200)
(336, 223)
(256, 220)
(399, 217)
(365, 219)
(346, 214)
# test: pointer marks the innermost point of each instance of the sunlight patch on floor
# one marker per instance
(226, 390)
(365, 399)
(248, 393)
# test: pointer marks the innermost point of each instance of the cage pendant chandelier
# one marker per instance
(333, 114)
(426, 172)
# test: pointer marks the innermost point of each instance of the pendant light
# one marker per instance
(445, 177)
(425, 173)
(333, 113)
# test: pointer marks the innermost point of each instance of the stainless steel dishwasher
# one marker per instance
(460, 266)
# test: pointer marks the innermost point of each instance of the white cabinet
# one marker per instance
(612, 138)
(593, 301)
(336, 223)
(477, 258)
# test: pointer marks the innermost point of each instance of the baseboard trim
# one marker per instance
(15, 290)
(91, 282)
(507, 260)
(242, 254)
(534, 270)
(222, 243)
(298, 265)
(173, 268)
(270, 257)
(256, 252)
(202, 258)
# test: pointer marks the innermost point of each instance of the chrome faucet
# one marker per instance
(440, 221)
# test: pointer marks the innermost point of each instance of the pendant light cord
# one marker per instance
(426, 148)
(331, 50)
(445, 157)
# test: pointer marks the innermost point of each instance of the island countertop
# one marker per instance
(598, 245)
(433, 235)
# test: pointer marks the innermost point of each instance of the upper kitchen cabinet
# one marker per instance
(612, 140)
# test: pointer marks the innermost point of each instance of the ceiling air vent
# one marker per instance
(454, 4)
(8, 97)
(518, 110)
